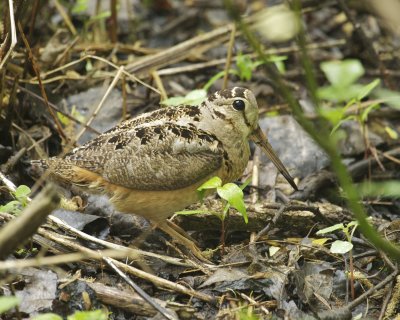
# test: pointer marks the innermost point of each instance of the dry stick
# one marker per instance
(61, 224)
(94, 114)
(70, 64)
(124, 98)
(159, 85)
(13, 34)
(291, 49)
(120, 253)
(373, 289)
(36, 69)
(25, 225)
(385, 302)
(178, 52)
(89, 253)
(163, 283)
(163, 311)
(33, 17)
(229, 57)
(123, 299)
(54, 107)
(65, 17)
(61, 56)
(114, 21)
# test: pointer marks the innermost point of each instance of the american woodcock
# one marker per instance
(153, 164)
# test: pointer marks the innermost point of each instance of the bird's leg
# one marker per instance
(187, 243)
(181, 231)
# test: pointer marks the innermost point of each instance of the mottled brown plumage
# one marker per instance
(152, 165)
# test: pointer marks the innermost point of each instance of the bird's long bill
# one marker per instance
(259, 138)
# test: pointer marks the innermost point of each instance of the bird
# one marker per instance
(153, 164)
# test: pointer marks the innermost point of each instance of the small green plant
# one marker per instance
(339, 246)
(343, 76)
(7, 303)
(78, 315)
(230, 192)
(21, 200)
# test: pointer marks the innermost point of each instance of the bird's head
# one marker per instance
(238, 107)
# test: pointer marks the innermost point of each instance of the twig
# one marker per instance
(42, 90)
(13, 34)
(163, 283)
(178, 52)
(373, 289)
(55, 108)
(100, 105)
(89, 56)
(271, 224)
(65, 17)
(229, 57)
(164, 312)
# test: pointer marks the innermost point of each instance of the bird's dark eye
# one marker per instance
(239, 105)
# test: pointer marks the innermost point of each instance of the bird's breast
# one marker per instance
(235, 160)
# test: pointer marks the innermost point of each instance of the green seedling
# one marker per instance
(343, 77)
(230, 192)
(8, 302)
(21, 200)
(339, 246)
(78, 315)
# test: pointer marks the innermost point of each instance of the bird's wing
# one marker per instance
(155, 157)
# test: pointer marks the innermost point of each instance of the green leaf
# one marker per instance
(365, 113)
(234, 195)
(80, 6)
(88, 315)
(330, 229)
(63, 119)
(11, 207)
(389, 188)
(245, 66)
(342, 73)
(366, 90)
(339, 93)
(245, 184)
(7, 303)
(22, 192)
(194, 97)
(392, 98)
(211, 183)
(279, 62)
(352, 224)
(334, 115)
(47, 316)
(391, 133)
(341, 247)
